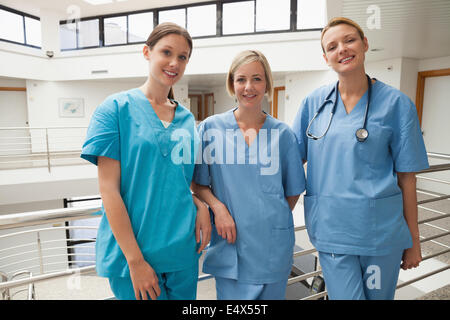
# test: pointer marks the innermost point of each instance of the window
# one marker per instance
(115, 30)
(273, 15)
(238, 17)
(311, 14)
(201, 20)
(88, 33)
(177, 16)
(68, 36)
(11, 26)
(209, 19)
(33, 31)
(140, 26)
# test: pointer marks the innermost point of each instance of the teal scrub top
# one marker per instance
(353, 204)
(155, 184)
(253, 183)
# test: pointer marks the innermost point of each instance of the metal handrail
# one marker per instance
(44, 144)
(62, 215)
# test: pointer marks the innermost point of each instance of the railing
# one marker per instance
(28, 147)
(25, 257)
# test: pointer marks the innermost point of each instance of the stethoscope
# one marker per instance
(361, 134)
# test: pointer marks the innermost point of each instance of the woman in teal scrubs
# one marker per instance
(146, 242)
(251, 176)
(360, 203)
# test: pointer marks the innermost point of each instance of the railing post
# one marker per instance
(48, 150)
(39, 247)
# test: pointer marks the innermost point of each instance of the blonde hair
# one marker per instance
(341, 20)
(246, 57)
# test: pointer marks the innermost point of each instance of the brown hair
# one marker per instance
(341, 20)
(245, 57)
(164, 29)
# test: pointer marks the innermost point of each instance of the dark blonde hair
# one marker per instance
(164, 29)
(246, 57)
(341, 20)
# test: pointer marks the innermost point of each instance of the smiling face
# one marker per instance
(249, 84)
(344, 50)
(168, 59)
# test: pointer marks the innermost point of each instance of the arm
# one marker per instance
(407, 183)
(224, 222)
(202, 223)
(142, 274)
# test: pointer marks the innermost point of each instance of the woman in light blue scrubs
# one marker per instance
(251, 175)
(360, 203)
(146, 242)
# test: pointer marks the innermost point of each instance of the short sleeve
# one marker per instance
(407, 145)
(102, 137)
(299, 127)
(293, 173)
(201, 170)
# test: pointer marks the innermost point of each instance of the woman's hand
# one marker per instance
(412, 256)
(202, 225)
(144, 279)
(226, 228)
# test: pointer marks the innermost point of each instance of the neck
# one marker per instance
(250, 116)
(353, 84)
(155, 92)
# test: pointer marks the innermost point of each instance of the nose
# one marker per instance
(342, 47)
(248, 85)
(173, 62)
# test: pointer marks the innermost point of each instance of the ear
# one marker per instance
(146, 52)
(366, 44)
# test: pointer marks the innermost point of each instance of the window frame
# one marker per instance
(219, 22)
(23, 15)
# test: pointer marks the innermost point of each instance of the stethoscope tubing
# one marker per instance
(333, 109)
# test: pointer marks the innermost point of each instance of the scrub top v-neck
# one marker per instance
(257, 202)
(154, 187)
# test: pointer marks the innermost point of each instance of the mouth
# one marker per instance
(170, 74)
(249, 96)
(347, 59)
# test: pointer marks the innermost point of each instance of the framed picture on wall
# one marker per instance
(71, 107)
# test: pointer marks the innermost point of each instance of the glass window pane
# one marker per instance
(273, 15)
(311, 14)
(201, 20)
(11, 26)
(115, 30)
(238, 17)
(33, 31)
(140, 26)
(88, 33)
(68, 36)
(177, 16)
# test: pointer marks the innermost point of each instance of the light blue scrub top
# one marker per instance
(265, 237)
(155, 190)
(353, 204)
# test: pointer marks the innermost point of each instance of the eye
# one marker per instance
(166, 52)
(257, 79)
(350, 40)
(240, 80)
(182, 57)
(331, 48)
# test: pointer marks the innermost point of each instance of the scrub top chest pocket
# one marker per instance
(375, 148)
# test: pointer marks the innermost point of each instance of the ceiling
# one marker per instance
(417, 29)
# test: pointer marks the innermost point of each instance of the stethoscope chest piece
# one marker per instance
(362, 134)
